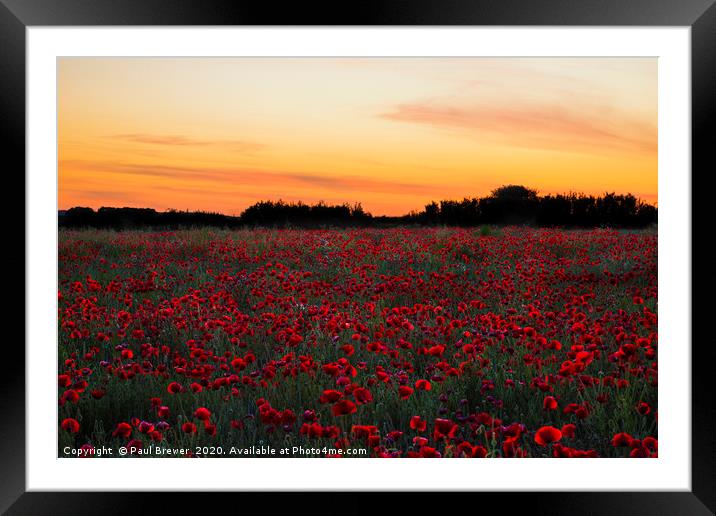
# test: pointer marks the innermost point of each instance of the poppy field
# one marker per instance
(403, 342)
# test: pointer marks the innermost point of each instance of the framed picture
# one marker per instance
(293, 251)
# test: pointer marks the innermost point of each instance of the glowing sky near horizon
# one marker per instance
(220, 134)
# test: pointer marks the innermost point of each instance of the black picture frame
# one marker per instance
(700, 15)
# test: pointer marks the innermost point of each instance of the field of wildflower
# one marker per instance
(402, 342)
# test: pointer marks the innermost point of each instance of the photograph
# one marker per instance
(357, 257)
(265, 250)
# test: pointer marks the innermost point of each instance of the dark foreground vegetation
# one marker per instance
(514, 205)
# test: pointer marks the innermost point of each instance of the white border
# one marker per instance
(672, 470)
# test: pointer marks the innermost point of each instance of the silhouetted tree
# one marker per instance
(511, 204)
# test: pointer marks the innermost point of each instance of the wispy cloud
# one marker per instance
(541, 126)
(227, 177)
(186, 141)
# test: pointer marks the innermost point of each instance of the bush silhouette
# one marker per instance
(510, 204)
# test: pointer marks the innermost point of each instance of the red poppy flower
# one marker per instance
(639, 452)
(418, 424)
(479, 452)
(650, 443)
(238, 364)
(174, 388)
(196, 387)
(188, 428)
(134, 445)
(330, 396)
(342, 381)
(344, 407)
(511, 448)
(145, 427)
(427, 452)
(362, 395)
(71, 425)
(581, 412)
(123, 430)
(436, 351)
(98, 394)
(550, 403)
(547, 434)
(621, 439)
(394, 435)
(444, 428)
(71, 395)
(554, 344)
(64, 380)
(513, 431)
(420, 441)
(404, 392)
(568, 430)
(466, 449)
(312, 430)
(423, 385)
(362, 431)
(202, 413)
(643, 408)
(163, 412)
(87, 451)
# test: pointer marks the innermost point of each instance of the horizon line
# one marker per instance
(654, 204)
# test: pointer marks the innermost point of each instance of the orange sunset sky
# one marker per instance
(220, 134)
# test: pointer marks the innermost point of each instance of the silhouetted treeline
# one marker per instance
(520, 205)
(125, 218)
(280, 213)
(510, 204)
